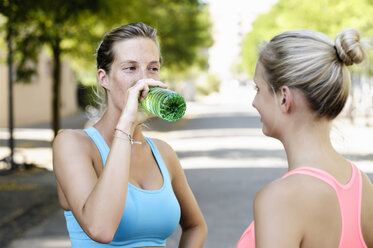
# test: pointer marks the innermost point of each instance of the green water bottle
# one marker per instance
(164, 103)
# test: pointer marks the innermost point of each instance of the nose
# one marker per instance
(253, 103)
(143, 73)
(140, 74)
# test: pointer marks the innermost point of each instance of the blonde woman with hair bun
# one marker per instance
(324, 200)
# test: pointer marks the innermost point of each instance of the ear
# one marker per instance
(286, 99)
(103, 78)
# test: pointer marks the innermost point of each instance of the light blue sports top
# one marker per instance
(149, 216)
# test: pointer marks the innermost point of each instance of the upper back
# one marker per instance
(338, 207)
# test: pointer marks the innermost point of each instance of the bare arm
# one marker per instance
(194, 228)
(98, 202)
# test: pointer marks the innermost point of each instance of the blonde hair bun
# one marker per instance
(348, 47)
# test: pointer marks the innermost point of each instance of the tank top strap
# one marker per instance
(104, 150)
(327, 178)
(99, 141)
(316, 173)
(160, 162)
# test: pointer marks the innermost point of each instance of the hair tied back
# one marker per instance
(336, 53)
(349, 47)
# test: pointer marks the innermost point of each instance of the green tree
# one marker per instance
(327, 16)
(183, 29)
(74, 28)
(40, 22)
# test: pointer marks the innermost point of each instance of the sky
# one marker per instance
(231, 21)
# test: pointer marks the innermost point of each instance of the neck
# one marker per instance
(308, 144)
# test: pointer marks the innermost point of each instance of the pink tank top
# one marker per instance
(349, 198)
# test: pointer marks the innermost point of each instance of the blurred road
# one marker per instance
(226, 159)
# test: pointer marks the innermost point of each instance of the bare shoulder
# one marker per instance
(285, 208)
(161, 144)
(367, 186)
(366, 180)
(70, 138)
(69, 142)
(270, 199)
(276, 189)
(293, 194)
(273, 193)
(169, 156)
(69, 135)
(277, 215)
(165, 149)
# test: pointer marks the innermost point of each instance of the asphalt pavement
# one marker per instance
(220, 145)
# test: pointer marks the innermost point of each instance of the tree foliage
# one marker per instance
(327, 16)
(74, 29)
(183, 29)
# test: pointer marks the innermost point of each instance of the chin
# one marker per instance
(266, 132)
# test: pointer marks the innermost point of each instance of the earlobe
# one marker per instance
(103, 79)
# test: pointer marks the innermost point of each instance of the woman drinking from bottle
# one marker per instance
(117, 187)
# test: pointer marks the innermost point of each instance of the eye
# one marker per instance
(130, 68)
(154, 69)
(255, 87)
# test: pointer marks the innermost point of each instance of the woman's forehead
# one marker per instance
(258, 75)
(137, 49)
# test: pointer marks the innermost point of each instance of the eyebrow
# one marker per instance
(134, 62)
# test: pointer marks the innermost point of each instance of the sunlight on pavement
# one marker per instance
(212, 163)
(42, 156)
(225, 138)
(50, 242)
(28, 134)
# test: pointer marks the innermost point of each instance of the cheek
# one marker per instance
(156, 76)
(125, 81)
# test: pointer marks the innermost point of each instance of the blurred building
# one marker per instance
(231, 22)
(33, 100)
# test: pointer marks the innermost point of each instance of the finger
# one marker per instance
(144, 84)
(152, 82)
(144, 93)
(157, 83)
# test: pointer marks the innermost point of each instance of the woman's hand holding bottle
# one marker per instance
(131, 115)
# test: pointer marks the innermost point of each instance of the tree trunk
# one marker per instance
(56, 93)
(10, 92)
